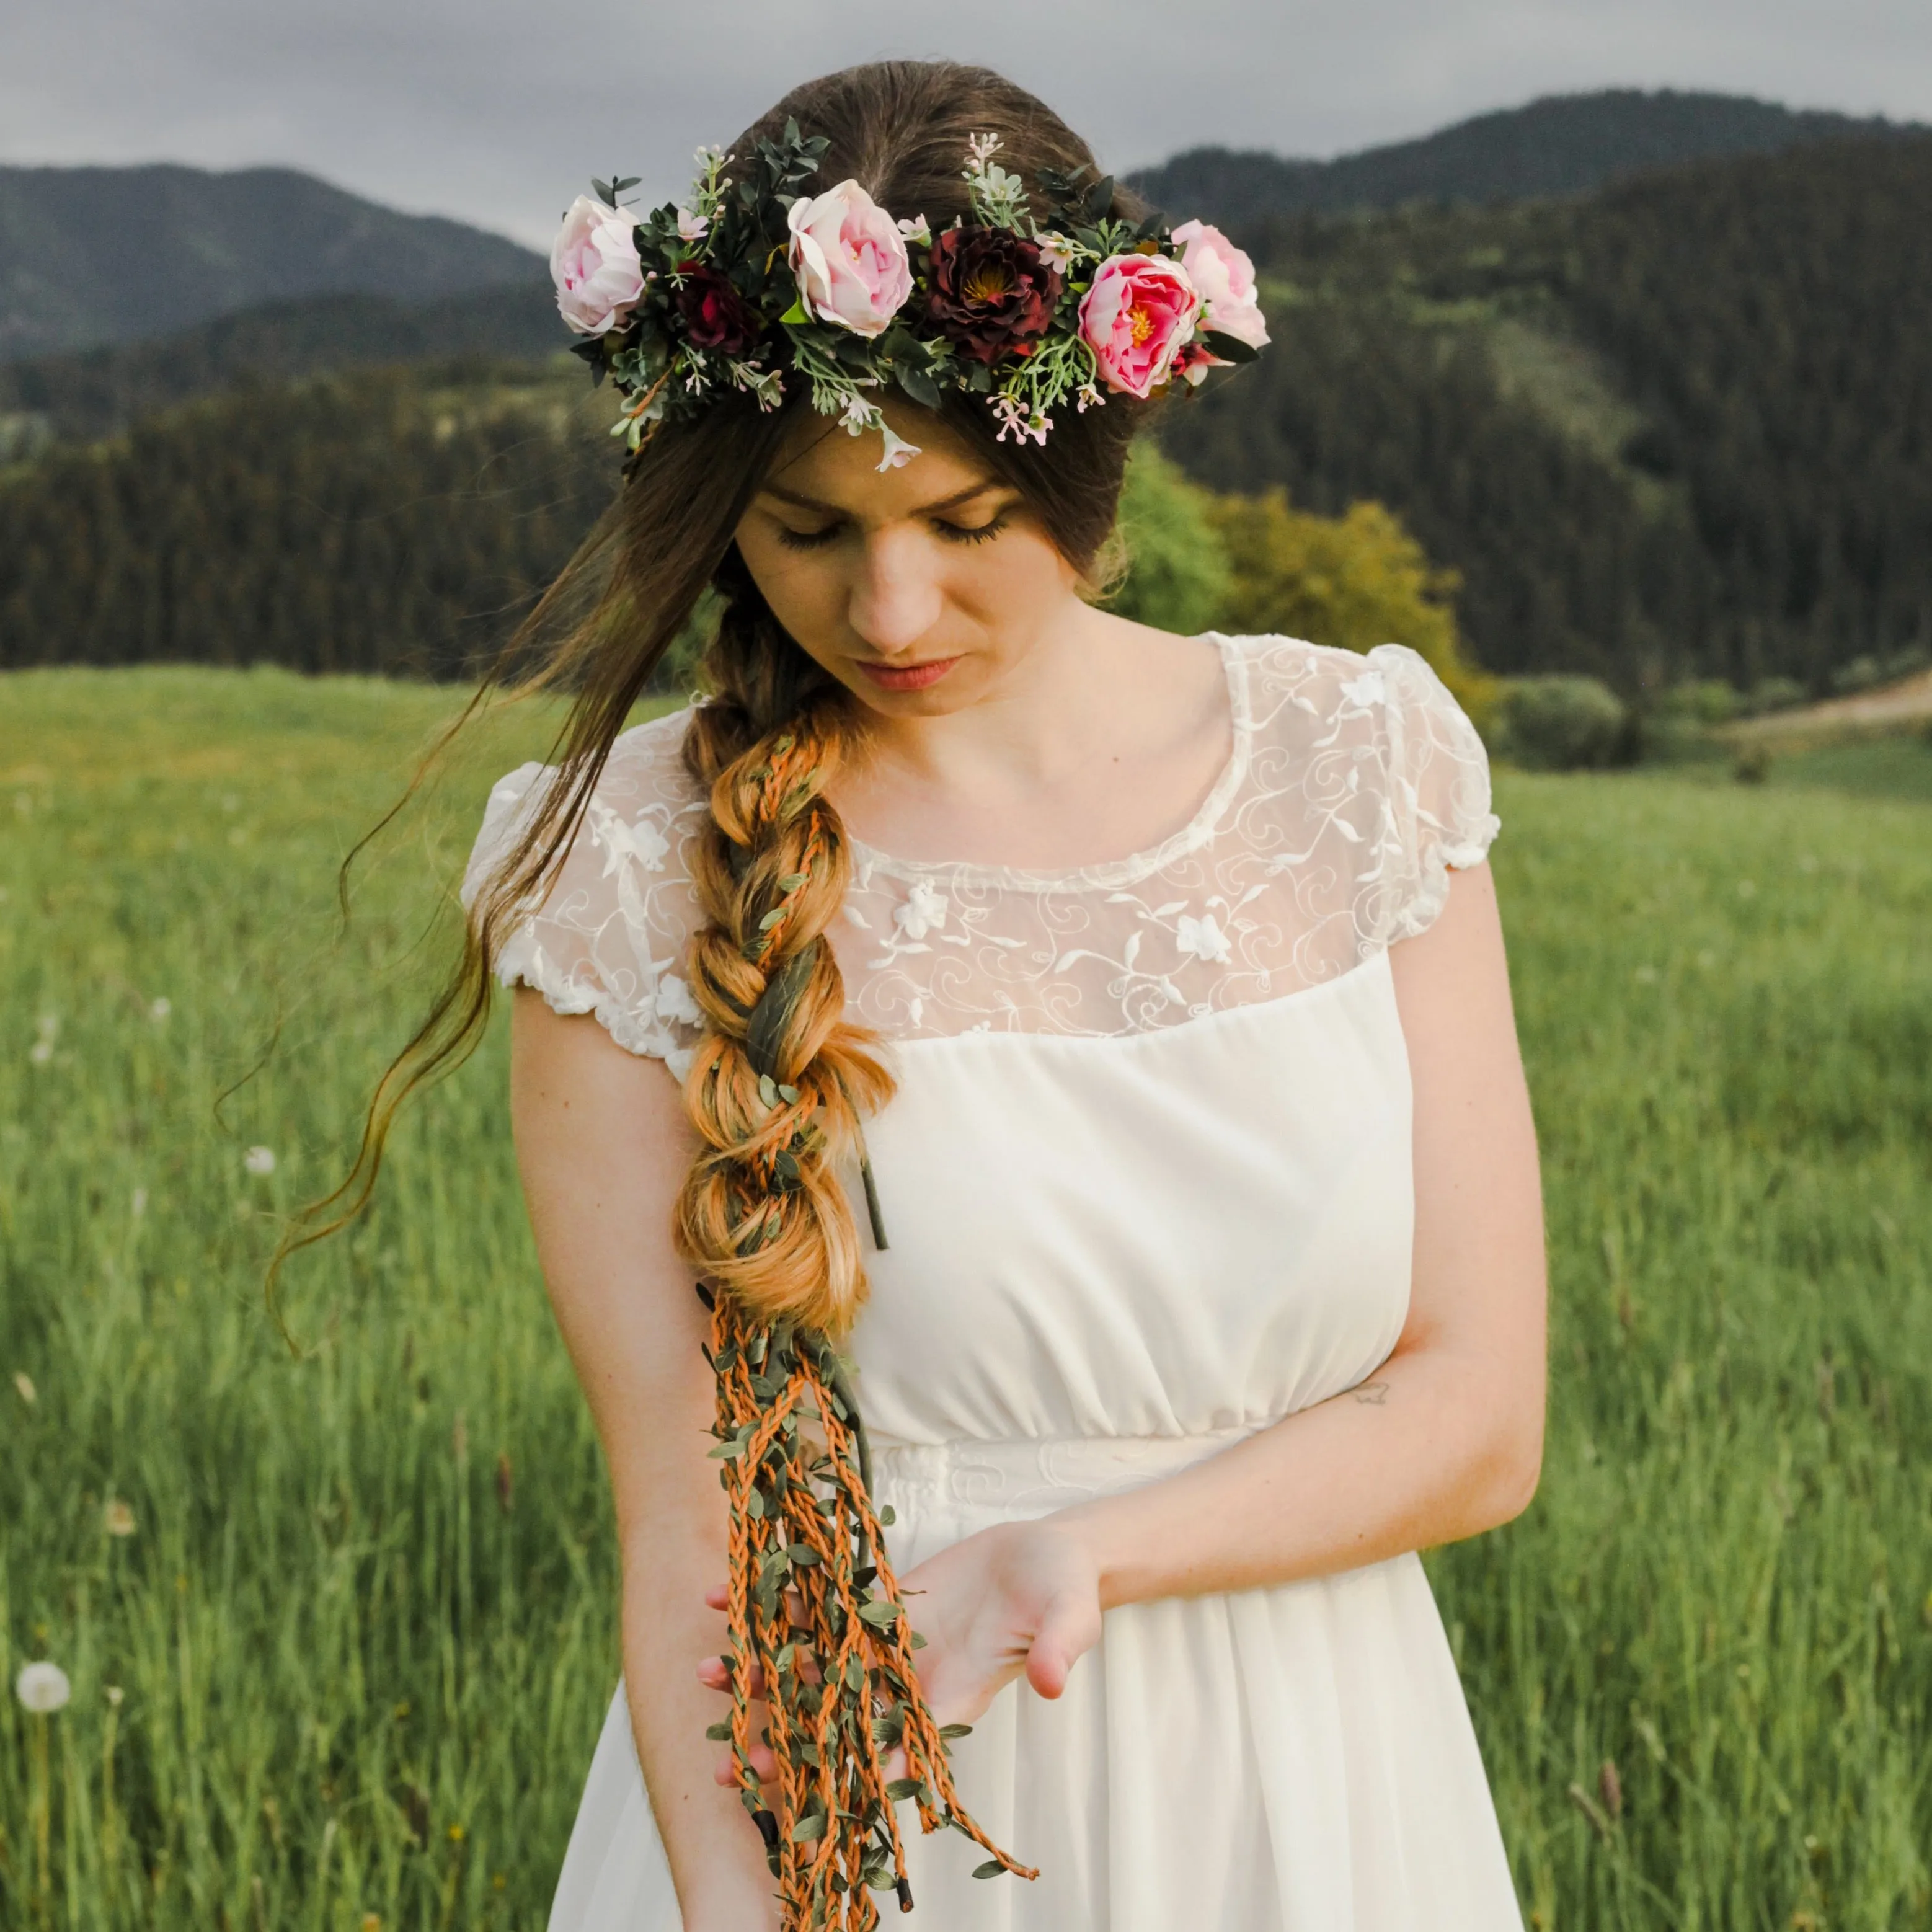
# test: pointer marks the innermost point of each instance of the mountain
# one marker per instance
(1677, 426)
(1560, 145)
(98, 255)
(104, 391)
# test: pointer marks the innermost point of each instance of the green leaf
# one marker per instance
(719, 1733)
(798, 312)
(1099, 197)
(904, 1787)
(991, 1868)
(771, 919)
(918, 385)
(802, 1555)
(807, 1829)
(955, 1730)
(1227, 347)
(879, 1612)
(888, 1516)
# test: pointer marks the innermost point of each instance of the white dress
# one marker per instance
(1148, 1182)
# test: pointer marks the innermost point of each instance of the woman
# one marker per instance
(1214, 1287)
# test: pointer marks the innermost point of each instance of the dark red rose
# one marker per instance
(993, 292)
(716, 317)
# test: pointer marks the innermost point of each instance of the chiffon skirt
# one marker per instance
(1293, 1759)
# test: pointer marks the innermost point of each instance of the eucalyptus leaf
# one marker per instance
(991, 1868)
(1227, 346)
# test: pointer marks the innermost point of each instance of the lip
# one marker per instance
(907, 677)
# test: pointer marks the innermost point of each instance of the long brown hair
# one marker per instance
(771, 864)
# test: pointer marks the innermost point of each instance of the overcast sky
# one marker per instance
(498, 110)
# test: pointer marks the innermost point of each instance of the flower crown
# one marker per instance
(755, 281)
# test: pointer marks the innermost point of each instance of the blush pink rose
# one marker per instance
(850, 259)
(594, 263)
(1136, 318)
(1226, 278)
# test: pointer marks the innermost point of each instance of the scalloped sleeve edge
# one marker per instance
(1459, 839)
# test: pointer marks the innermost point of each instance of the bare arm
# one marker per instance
(1446, 1438)
(603, 1144)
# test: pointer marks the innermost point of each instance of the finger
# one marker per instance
(725, 1771)
(1057, 1645)
(720, 1598)
(716, 1672)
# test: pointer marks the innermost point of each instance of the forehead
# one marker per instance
(819, 462)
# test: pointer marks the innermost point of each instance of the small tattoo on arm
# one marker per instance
(1375, 1392)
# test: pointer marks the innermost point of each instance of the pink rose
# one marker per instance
(1226, 278)
(1136, 318)
(594, 263)
(850, 259)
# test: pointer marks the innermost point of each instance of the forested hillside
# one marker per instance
(1681, 424)
(1678, 427)
(100, 255)
(394, 520)
(1561, 145)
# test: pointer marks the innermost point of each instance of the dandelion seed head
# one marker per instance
(118, 1519)
(42, 1688)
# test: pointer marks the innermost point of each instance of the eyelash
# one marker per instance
(950, 533)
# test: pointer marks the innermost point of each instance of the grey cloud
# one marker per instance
(498, 110)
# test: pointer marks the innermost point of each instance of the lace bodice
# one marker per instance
(1353, 785)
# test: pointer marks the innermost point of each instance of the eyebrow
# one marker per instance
(952, 502)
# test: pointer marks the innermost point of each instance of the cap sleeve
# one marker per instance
(1438, 801)
(607, 936)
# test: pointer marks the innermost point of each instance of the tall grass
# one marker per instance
(348, 1666)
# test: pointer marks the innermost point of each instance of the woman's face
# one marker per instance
(921, 589)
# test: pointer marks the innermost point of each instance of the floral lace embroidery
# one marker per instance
(1353, 786)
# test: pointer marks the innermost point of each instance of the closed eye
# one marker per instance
(958, 533)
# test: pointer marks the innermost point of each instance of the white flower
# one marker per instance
(118, 1519)
(899, 451)
(690, 226)
(1059, 251)
(1202, 938)
(924, 911)
(915, 1012)
(675, 1004)
(1365, 690)
(642, 841)
(679, 1060)
(158, 1010)
(259, 1160)
(43, 1687)
(917, 229)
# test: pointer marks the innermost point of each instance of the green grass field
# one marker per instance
(341, 1628)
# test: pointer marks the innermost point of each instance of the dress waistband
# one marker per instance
(1033, 1474)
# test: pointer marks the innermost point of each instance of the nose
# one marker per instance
(894, 600)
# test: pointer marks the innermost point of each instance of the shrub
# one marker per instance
(1177, 577)
(1561, 724)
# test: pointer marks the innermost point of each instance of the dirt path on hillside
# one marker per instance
(1887, 708)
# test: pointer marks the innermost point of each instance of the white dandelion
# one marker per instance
(42, 1688)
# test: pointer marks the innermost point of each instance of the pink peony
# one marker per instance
(1136, 318)
(594, 263)
(850, 259)
(1226, 278)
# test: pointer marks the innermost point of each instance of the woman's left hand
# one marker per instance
(1019, 1597)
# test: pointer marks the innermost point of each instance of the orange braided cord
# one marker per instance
(840, 1686)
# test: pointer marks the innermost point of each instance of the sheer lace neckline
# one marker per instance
(1108, 874)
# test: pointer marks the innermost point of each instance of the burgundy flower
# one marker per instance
(993, 292)
(716, 317)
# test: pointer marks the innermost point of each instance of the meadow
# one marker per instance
(339, 1618)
